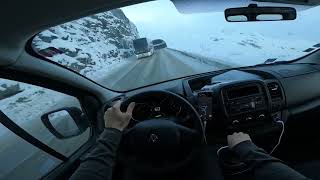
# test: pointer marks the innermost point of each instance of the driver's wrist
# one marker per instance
(117, 128)
(110, 135)
(243, 148)
(114, 127)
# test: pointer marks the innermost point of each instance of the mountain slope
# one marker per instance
(91, 43)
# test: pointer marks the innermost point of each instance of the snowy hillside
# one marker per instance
(92, 43)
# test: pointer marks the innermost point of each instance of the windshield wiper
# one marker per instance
(270, 60)
(274, 61)
(266, 63)
(278, 63)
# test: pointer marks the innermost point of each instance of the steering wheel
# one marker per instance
(161, 144)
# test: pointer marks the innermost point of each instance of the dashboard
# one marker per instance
(249, 99)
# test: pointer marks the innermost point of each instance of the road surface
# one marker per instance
(164, 64)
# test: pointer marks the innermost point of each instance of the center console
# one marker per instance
(238, 104)
(226, 105)
(244, 103)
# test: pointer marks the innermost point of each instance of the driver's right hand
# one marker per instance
(237, 138)
(114, 118)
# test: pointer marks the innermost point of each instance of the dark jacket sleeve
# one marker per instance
(98, 164)
(265, 167)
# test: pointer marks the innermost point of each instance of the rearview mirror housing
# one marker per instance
(255, 13)
(66, 122)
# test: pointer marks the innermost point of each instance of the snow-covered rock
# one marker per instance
(91, 43)
(9, 88)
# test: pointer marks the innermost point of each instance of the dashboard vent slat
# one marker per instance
(274, 90)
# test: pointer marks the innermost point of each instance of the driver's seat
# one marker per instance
(309, 169)
(206, 167)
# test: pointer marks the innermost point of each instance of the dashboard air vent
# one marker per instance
(275, 90)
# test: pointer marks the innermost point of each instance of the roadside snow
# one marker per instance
(5, 84)
(29, 104)
(244, 49)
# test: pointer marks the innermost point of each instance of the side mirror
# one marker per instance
(66, 122)
(255, 13)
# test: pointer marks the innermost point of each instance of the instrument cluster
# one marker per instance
(156, 108)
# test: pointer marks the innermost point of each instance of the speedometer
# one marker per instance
(174, 108)
(141, 111)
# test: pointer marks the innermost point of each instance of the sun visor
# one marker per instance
(205, 6)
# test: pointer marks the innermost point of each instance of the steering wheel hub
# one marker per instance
(155, 138)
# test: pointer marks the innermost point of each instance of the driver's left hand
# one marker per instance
(114, 118)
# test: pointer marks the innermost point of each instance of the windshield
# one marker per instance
(152, 42)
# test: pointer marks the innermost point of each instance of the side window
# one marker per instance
(25, 104)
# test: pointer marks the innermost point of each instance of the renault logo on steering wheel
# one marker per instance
(153, 138)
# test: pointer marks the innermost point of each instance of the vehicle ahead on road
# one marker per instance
(159, 44)
(59, 74)
(143, 47)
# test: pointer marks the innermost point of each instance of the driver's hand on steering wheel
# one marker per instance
(114, 118)
(237, 138)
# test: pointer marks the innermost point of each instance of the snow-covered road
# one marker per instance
(165, 64)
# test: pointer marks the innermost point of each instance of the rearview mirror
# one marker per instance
(65, 123)
(255, 13)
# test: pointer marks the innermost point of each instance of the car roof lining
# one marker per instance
(24, 19)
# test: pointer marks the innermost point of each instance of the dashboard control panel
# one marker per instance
(239, 104)
(245, 103)
(234, 101)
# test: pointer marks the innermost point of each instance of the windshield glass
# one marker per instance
(152, 42)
